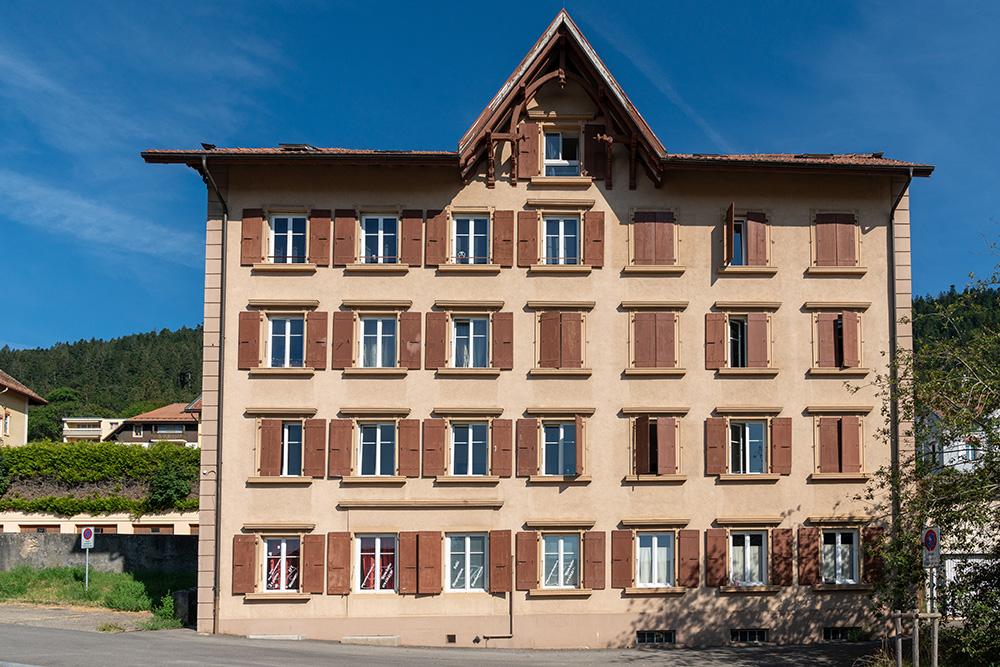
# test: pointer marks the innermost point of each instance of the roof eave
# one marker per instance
(193, 158)
(919, 170)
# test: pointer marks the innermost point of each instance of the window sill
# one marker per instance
(564, 372)
(561, 269)
(376, 268)
(362, 480)
(842, 372)
(492, 269)
(562, 181)
(836, 588)
(276, 597)
(280, 481)
(836, 271)
(270, 372)
(560, 592)
(656, 590)
(652, 372)
(639, 270)
(468, 480)
(749, 590)
(747, 270)
(560, 479)
(655, 479)
(267, 267)
(751, 478)
(747, 372)
(393, 372)
(839, 477)
(468, 372)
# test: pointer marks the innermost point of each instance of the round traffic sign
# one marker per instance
(88, 533)
(930, 540)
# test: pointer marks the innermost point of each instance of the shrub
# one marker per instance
(168, 485)
(128, 595)
(4, 473)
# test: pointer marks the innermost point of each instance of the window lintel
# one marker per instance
(283, 304)
(560, 524)
(747, 305)
(749, 521)
(561, 305)
(632, 410)
(457, 304)
(838, 409)
(654, 305)
(469, 411)
(560, 412)
(279, 526)
(280, 412)
(392, 304)
(374, 412)
(747, 410)
(839, 520)
(837, 305)
(577, 204)
(656, 522)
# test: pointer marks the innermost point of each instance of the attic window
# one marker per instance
(562, 153)
(297, 147)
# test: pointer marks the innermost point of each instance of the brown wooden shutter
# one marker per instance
(411, 237)
(503, 238)
(644, 238)
(716, 430)
(244, 564)
(314, 446)
(570, 340)
(829, 444)
(850, 444)
(642, 464)
(826, 239)
(317, 332)
(665, 327)
(249, 347)
(527, 560)
(313, 563)
(436, 346)
(756, 238)
(593, 238)
(664, 249)
(319, 240)
(341, 439)
(578, 441)
(343, 340)
(781, 556)
(429, 562)
(730, 232)
(527, 447)
(847, 254)
(622, 570)
(715, 340)
(549, 338)
(270, 447)
(689, 559)
(527, 150)
(645, 340)
(409, 447)
(409, 341)
(500, 574)
(851, 339)
(502, 456)
(826, 340)
(338, 563)
(251, 246)
(716, 570)
(408, 563)
(527, 238)
(503, 341)
(594, 574)
(809, 563)
(595, 152)
(666, 446)
(781, 445)
(437, 238)
(757, 340)
(344, 227)
(873, 562)
(435, 433)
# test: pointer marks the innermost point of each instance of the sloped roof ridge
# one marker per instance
(9, 382)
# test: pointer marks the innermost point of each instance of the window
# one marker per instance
(836, 240)
(377, 454)
(842, 634)
(561, 561)
(837, 340)
(562, 153)
(840, 557)
(654, 340)
(170, 428)
(377, 559)
(6, 422)
(737, 341)
(562, 240)
(378, 342)
(288, 239)
(747, 447)
(746, 238)
(470, 243)
(286, 342)
(559, 448)
(755, 636)
(739, 242)
(748, 558)
(291, 449)
(653, 238)
(137, 430)
(655, 445)
(655, 560)
(467, 562)
(653, 637)
(561, 339)
(469, 448)
(379, 239)
(839, 444)
(282, 564)
(470, 342)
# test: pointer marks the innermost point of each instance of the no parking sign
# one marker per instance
(930, 540)
(87, 538)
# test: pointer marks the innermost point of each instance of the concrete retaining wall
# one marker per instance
(111, 553)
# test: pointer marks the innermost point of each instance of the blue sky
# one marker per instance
(98, 245)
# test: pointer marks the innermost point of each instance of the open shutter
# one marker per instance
(500, 574)
(527, 560)
(757, 340)
(850, 444)
(270, 447)
(688, 558)
(317, 332)
(341, 438)
(781, 556)
(622, 570)
(409, 447)
(527, 238)
(666, 446)
(715, 557)
(665, 356)
(829, 444)
(642, 464)
(781, 445)
(503, 238)
(715, 445)
(409, 337)
(435, 431)
(644, 238)
(873, 563)
(594, 575)
(411, 235)
(593, 238)
(756, 238)
(527, 447)
(826, 239)
(429, 562)
(527, 150)
(343, 340)
(338, 563)
(344, 246)
(664, 248)
(244, 563)
(319, 239)
(645, 340)
(851, 339)
(437, 238)
(578, 441)
(251, 246)
(715, 340)
(570, 340)
(435, 354)
(503, 341)
(847, 254)
(249, 348)
(501, 459)
(729, 232)
(549, 338)
(408, 563)
(314, 444)
(595, 152)
(809, 563)
(826, 340)
(313, 563)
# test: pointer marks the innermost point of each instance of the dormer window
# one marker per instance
(562, 153)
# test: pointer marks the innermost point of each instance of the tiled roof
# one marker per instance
(306, 150)
(173, 413)
(13, 385)
(194, 406)
(854, 159)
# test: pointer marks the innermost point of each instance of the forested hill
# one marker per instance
(115, 378)
(954, 315)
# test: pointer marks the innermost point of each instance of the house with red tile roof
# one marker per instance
(171, 423)
(14, 401)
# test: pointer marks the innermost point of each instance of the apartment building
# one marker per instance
(90, 429)
(556, 388)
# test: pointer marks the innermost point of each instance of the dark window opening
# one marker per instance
(840, 634)
(751, 636)
(654, 637)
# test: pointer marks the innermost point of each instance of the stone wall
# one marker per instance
(111, 553)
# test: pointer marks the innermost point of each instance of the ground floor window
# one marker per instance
(282, 564)
(561, 558)
(840, 557)
(377, 557)
(652, 637)
(748, 636)
(467, 562)
(655, 561)
(748, 558)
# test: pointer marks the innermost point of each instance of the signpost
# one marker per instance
(87, 543)
(931, 539)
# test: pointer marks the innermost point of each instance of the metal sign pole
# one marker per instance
(86, 573)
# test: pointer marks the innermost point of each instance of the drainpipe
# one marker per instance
(510, 635)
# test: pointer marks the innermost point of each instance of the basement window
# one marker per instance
(654, 637)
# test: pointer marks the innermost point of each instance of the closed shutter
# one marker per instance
(527, 447)
(527, 560)
(594, 575)
(578, 441)
(500, 573)
(873, 561)
(595, 152)
(809, 563)
(313, 563)
(317, 332)
(829, 444)
(642, 462)
(826, 340)
(502, 459)
(249, 348)
(847, 254)
(688, 558)
(757, 340)
(344, 227)
(781, 556)
(645, 340)
(665, 230)
(408, 563)
(503, 341)
(411, 233)
(826, 239)
(341, 439)
(756, 238)
(338, 563)
(527, 238)
(437, 238)
(527, 150)
(644, 238)
(409, 341)
(593, 238)
(429, 562)
(781, 445)
(715, 340)
(571, 340)
(715, 445)
(409, 447)
(503, 238)
(549, 338)
(244, 564)
(850, 444)
(851, 339)
(716, 572)
(251, 247)
(622, 570)
(436, 346)
(665, 356)
(343, 340)
(314, 443)
(435, 432)
(319, 238)
(730, 231)
(666, 446)
(270, 447)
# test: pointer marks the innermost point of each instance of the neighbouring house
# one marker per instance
(171, 423)
(14, 401)
(559, 387)
(93, 429)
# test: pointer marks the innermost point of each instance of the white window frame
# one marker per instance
(838, 563)
(381, 234)
(137, 430)
(561, 259)
(378, 425)
(169, 428)
(560, 161)
(282, 559)
(289, 339)
(656, 578)
(562, 446)
(285, 449)
(472, 320)
(737, 334)
(746, 535)
(467, 426)
(467, 559)
(359, 579)
(472, 219)
(381, 340)
(740, 222)
(289, 240)
(561, 560)
(6, 423)
(745, 425)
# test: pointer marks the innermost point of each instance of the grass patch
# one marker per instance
(163, 616)
(110, 627)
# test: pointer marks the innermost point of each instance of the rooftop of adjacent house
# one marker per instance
(173, 413)
(194, 406)
(9, 383)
